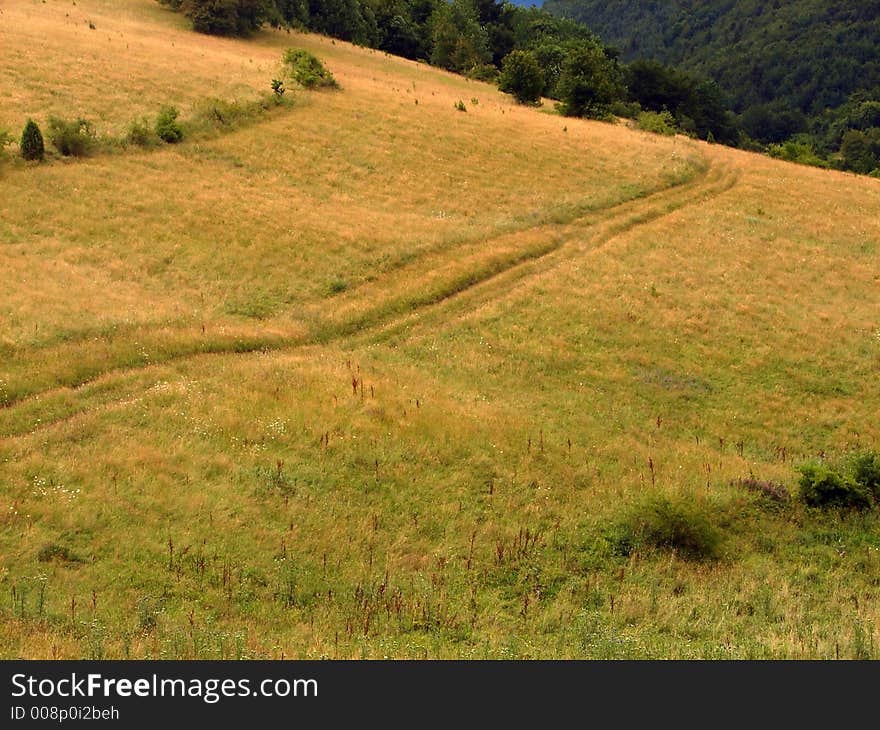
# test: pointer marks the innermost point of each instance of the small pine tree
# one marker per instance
(167, 127)
(32, 147)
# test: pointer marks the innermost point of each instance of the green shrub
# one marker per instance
(167, 128)
(459, 105)
(657, 123)
(31, 144)
(72, 138)
(799, 152)
(522, 77)
(307, 69)
(866, 472)
(141, 133)
(5, 140)
(220, 113)
(621, 538)
(825, 488)
(483, 72)
(662, 524)
(748, 144)
(625, 109)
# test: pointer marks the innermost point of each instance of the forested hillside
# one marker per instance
(809, 54)
(530, 53)
(803, 77)
(783, 64)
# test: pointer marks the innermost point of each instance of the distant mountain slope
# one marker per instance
(803, 54)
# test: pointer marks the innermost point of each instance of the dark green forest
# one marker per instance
(802, 75)
(799, 80)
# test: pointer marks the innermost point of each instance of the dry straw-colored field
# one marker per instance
(369, 376)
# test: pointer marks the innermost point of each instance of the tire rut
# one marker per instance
(468, 291)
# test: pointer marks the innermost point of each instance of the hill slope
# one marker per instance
(807, 55)
(366, 375)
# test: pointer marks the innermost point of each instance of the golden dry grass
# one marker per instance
(534, 308)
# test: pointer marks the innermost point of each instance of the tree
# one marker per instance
(698, 106)
(226, 17)
(773, 123)
(657, 87)
(460, 42)
(497, 17)
(522, 77)
(349, 20)
(290, 12)
(707, 109)
(589, 82)
(859, 154)
(398, 32)
(31, 145)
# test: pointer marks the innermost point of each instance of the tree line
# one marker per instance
(803, 76)
(529, 52)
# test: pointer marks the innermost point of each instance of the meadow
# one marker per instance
(369, 376)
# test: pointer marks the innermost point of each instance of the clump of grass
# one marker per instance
(5, 138)
(308, 70)
(459, 105)
(771, 490)
(142, 134)
(276, 480)
(219, 114)
(149, 608)
(54, 552)
(258, 306)
(74, 138)
(662, 524)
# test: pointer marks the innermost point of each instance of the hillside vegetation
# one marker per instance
(807, 69)
(806, 55)
(406, 369)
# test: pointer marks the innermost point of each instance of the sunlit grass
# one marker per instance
(374, 378)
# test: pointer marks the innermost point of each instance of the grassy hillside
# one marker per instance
(368, 376)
